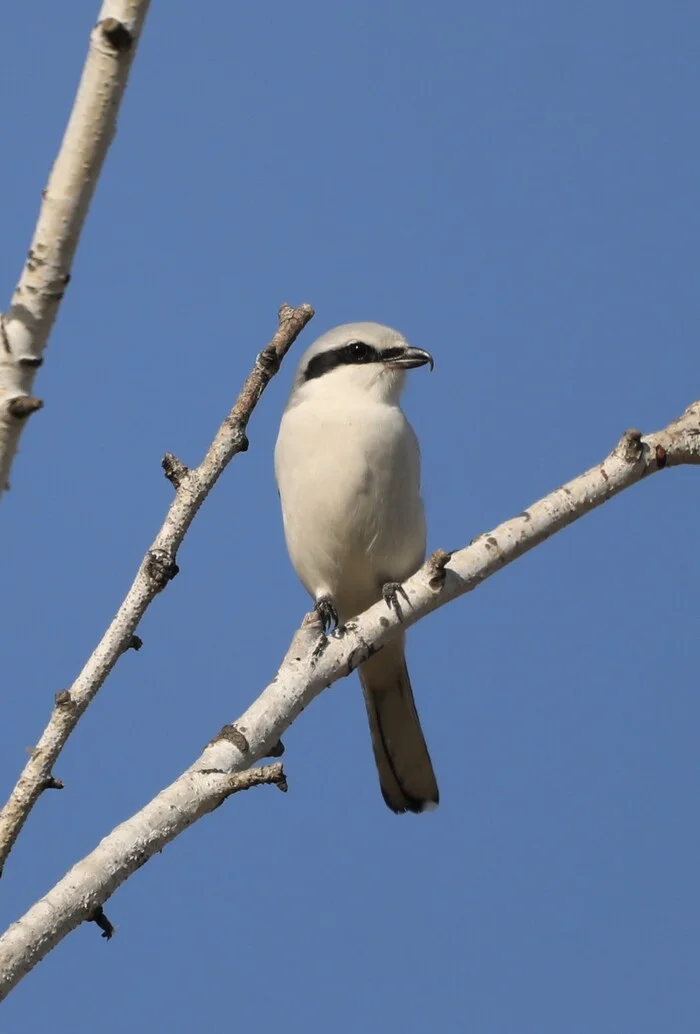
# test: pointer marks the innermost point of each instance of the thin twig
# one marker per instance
(157, 568)
(306, 671)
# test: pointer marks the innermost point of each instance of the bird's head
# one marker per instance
(358, 357)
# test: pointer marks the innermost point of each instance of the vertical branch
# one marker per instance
(25, 327)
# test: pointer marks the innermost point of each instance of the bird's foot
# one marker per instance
(326, 611)
(391, 592)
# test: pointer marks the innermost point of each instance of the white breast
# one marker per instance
(348, 473)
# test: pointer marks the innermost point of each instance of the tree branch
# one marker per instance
(122, 853)
(313, 662)
(25, 328)
(157, 568)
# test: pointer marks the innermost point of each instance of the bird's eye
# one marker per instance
(360, 352)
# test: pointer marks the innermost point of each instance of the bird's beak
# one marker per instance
(407, 357)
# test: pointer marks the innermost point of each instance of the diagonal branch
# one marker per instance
(157, 568)
(25, 328)
(313, 662)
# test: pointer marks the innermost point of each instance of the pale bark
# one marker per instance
(157, 568)
(25, 327)
(313, 662)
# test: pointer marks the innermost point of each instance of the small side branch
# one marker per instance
(266, 775)
(174, 469)
(157, 569)
(193, 795)
(25, 328)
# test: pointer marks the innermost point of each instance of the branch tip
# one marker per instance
(174, 469)
(304, 312)
(23, 406)
(249, 777)
(264, 776)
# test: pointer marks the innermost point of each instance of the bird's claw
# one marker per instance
(327, 613)
(391, 592)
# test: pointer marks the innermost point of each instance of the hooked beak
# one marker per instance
(407, 357)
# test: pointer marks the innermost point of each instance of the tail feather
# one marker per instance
(405, 770)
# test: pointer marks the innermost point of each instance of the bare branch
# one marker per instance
(313, 662)
(25, 328)
(156, 570)
(118, 856)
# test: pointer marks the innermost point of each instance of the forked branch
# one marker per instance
(313, 662)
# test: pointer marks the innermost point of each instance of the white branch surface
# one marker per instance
(312, 663)
(157, 568)
(25, 328)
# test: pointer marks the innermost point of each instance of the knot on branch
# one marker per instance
(160, 568)
(174, 469)
(239, 439)
(269, 361)
(23, 406)
(63, 699)
(52, 784)
(232, 734)
(134, 642)
(437, 563)
(116, 34)
(364, 651)
(630, 447)
(30, 362)
(661, 456)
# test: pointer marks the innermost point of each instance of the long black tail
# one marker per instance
(405, 770)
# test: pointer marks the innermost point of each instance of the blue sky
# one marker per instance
(514, 187)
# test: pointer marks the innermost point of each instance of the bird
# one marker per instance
(347, 466)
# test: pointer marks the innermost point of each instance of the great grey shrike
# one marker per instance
(347, 464)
